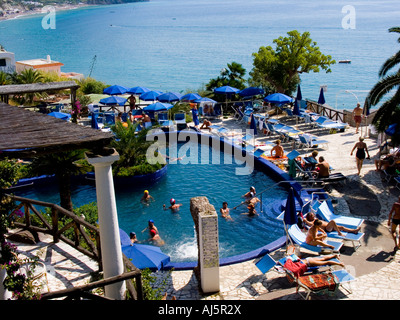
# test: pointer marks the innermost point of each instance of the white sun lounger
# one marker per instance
(326, 213)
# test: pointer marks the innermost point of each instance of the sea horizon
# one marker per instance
(176, 45)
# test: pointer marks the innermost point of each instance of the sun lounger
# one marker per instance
(311, 142)
(300, 238)
(327, 123)
(355, 238)
(325, 213)
(321, 283)
(163, 118)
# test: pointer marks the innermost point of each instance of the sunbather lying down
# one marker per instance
(328, 226)
(300, 266)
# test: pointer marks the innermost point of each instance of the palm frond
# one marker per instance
(389, 64)
(383, 86)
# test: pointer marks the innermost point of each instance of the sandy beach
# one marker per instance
(24, 13)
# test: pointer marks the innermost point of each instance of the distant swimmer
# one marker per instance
(174, 206)
(146, 198)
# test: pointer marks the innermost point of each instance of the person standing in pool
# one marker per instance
(225, 211)
(150, 227)
(252, 210)
(146, 198)
(174, 207)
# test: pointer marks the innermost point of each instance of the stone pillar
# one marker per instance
(110, 242)
(206, 222)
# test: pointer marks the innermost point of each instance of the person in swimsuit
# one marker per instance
(360, 154)
(316, 262)
(146, 198)
(174, 207)
(328, 226)
(323, 168)
(225, 211)
(357, 114)
(395, 221)
(315, 239)
(278, 150)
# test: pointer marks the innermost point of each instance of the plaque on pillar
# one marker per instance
(206, 222)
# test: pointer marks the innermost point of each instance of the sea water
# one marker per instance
(179, 45)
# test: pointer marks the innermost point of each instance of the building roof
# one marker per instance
(25, 133)
(37, 87)
(40, 63)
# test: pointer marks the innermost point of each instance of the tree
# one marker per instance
(63, 165)
(230, 76)
(280, 68)
(389, 111)
(29, 76)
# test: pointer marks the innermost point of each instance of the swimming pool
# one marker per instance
(216, 179)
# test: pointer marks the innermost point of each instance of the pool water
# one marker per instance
(218, 182)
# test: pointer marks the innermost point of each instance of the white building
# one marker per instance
(7, 61)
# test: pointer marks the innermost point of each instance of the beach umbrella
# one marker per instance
(299, 95)
(392, 130)
(251, 91)
(321, 99)
(169, 97)
(93, 122)
(123, 236)
(158, 106)
(115, 90)
(290, 214)
(253, 124)
(278, 98)
(205, 100)
(226, 90)
(150, 95)
(138, 90)
(296, 109)
(60, 115)
(113, 100)
(190, 97)
(146, 256)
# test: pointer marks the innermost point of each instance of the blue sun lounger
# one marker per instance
(300, 238)
(325, 213)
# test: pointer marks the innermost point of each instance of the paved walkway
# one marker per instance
(375, 265)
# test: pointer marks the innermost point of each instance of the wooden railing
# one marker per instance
(80, 228)
(326, 111)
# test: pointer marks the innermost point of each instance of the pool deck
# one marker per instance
(376, 265)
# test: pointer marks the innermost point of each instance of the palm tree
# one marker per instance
(389, 111)
(63, 165)
(230, 76)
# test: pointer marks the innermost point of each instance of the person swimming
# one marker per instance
(174, 207)
(146, 198)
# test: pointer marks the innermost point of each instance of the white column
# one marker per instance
(108, 222)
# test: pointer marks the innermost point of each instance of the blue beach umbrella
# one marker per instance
(150, 95)
(113, 100)
(93, 122)
(195, 116)
(169, 97)
(146, 256)
(296, 109)
(123, 236)
(321, 99)
(299, 95)
(392, 130)
(226, 90)
(190, 97)
(158, 106)
(138, 90)
(115, 90)
(253, 125)
(251, 91)
(205, 99)
(290, 215)
(60, 115)
(278, 98)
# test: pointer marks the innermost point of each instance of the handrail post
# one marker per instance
(54, 218)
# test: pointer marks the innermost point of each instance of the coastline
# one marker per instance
(58, 7)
